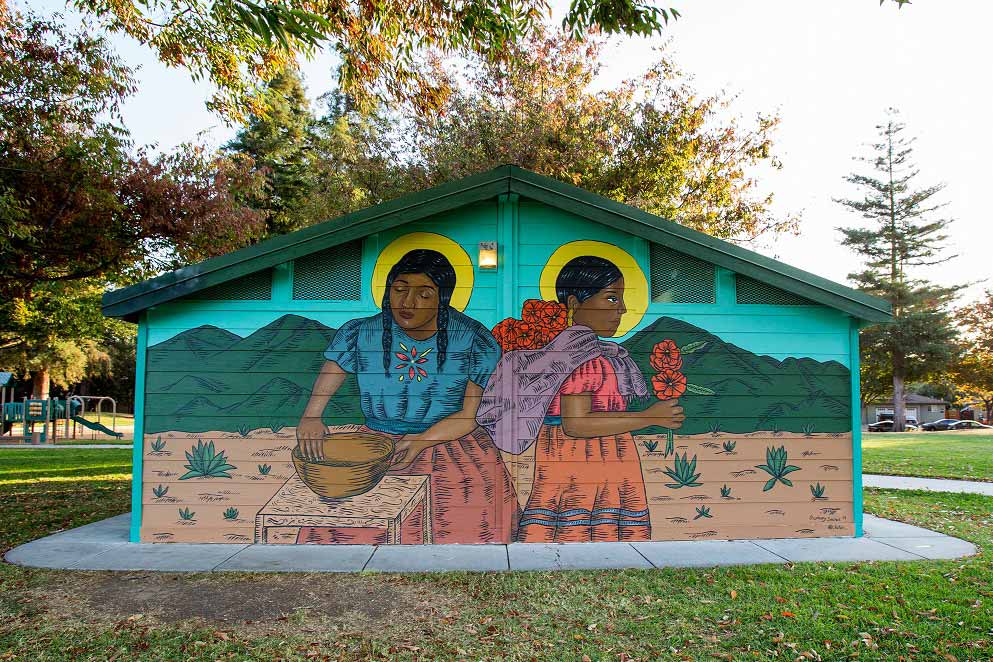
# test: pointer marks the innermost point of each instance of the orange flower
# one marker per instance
(549, 315)
(504, 334)
(526, 336)
(665, 356)
(669, 384)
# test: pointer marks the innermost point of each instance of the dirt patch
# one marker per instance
(259, 603)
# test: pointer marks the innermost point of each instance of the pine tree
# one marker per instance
(902, 234)
(279, 143)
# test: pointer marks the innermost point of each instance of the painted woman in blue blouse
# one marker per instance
(421, 368)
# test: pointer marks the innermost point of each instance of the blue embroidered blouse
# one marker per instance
(413, 394)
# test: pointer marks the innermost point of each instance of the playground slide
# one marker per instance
(93, 425)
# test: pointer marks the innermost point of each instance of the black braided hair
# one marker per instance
(584, 276)
(435, 266)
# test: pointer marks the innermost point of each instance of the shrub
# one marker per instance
(160, 491)
(264, 469)
(728, 447)
(651, 446)
(702, 511)
(725, 492)
(231, 514)
(817, 491)
(158, 445)
(186, 514)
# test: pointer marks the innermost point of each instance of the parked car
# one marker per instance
(969, 425)
(941, 424)
(887, 426)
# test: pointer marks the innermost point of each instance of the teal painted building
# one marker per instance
(685, 388)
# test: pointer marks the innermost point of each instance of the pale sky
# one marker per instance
(830, 69)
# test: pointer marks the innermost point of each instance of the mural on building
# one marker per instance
(418, 424)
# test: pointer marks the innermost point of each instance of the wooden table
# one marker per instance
(397, 511)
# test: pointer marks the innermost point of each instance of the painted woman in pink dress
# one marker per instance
(569, 399)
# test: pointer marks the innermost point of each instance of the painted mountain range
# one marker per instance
(751, 391)
(211, 379)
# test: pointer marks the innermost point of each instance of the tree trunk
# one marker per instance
(989, 411)
(899, 412)
(39, 384)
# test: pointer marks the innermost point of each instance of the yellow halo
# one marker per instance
(635, 283)
(400, 246)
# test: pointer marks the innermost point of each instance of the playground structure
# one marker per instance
(47, 414)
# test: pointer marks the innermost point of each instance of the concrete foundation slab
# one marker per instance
(166, 557)
(51, 554)
(933, 547)
(103, 546)
(435, 558)
(877, 527)
(835, 549)
(575, 556)
(704, 553)
(300, 558)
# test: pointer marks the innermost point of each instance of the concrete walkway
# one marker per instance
(104, 546)
(931, 484)
(126, 446)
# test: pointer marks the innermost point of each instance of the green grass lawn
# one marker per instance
(920, 610)
(966, 455)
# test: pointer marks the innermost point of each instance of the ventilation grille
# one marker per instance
(751, 291)
(680, 278)
(253, 287)
(335, 273)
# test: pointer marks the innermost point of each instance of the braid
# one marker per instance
(387, 332)
(442, 334)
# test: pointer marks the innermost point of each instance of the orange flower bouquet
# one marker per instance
(540, 322)
(669, 383)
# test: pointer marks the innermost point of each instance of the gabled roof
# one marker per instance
(128, 302)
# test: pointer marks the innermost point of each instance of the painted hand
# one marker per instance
(406, 451)
(310, 438)
(667, 414)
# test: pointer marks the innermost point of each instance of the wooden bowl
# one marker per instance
(353, 464)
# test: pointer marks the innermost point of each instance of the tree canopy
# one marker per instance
(80, 206)
(239, 45)
(651, 141)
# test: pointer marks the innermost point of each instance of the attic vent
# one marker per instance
(751, 291)
(335, 273)
(680, 278)
(253, 287)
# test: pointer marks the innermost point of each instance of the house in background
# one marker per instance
(920, 408)
(493, 360)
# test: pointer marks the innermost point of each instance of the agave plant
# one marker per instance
(160, 491)
(725, 492)
(231, 514)
(244, 429)
(702, 511)
(204, 462)
(186, 514)
(776, 467)
(715, 428)
(158, 444)
(275, 427)
(817, 491)
(684, 473)
(264, 469)
(808, 429)
(728, 447)
(651, 446)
